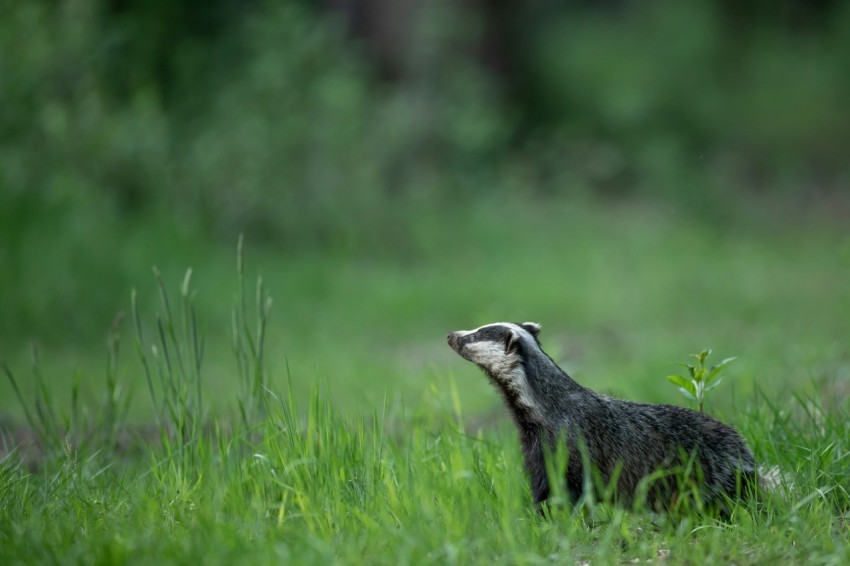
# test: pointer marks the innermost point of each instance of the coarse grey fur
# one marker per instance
(621, 439)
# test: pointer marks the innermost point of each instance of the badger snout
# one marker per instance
(452, 339)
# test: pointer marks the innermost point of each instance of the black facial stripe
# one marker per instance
(487, 334)
(492, 333)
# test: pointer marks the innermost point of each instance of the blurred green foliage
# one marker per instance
(132, 129)
(661, 93)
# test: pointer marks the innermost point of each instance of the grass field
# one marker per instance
(357, 436)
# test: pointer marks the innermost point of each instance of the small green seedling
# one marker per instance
(701, 379)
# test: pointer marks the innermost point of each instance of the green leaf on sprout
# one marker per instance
(715, 369)
(683, 383)
(687, 394)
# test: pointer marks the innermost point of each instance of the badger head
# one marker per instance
(500, 349)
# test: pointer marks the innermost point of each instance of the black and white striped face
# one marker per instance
(498, 349)
(495, 347)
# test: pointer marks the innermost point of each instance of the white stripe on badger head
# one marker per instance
(525, 333)
(462, 333)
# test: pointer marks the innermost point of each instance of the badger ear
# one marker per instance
(532, 327)
(512, 339)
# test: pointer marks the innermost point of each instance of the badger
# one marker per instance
(637, 450)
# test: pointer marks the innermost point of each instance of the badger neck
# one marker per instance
(551, 389)
(537, 392)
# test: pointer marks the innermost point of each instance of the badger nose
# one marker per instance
(450, 338)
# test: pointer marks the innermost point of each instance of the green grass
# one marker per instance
(371, 442)
(395, 487)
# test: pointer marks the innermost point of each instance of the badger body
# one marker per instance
(623, 441)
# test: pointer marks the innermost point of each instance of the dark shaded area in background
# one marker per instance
(325, 125)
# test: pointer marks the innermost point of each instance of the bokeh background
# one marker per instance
(643, 178)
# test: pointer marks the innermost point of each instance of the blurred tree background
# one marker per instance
(135, 132)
